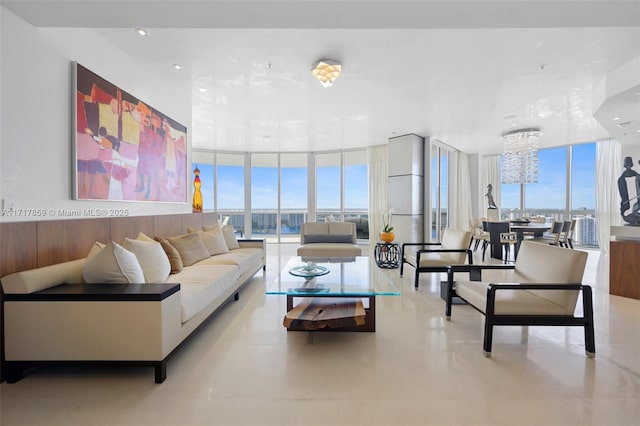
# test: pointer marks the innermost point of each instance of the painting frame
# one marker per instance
(124, 149)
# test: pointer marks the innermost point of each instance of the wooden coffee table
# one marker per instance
(342, 300)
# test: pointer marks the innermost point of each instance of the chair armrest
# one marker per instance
(475, 271)
(492, 288)
(415, 244)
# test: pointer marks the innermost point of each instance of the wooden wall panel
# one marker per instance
(209, 219)
(129, 227)
(64, 240)
(169, 225)
(624, 269)
(18, 242)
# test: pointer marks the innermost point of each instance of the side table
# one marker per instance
(387, 255)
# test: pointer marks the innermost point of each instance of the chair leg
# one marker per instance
(589, 335)
(484, 249)
(401, 266)
(570, 243)
(415, 284)
(488, 336)
(447, 311)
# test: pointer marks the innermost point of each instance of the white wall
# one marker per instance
(36, 103)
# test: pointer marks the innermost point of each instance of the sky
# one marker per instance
(550, 190)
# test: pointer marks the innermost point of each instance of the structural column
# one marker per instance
(406, 186)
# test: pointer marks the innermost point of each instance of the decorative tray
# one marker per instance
(308, 271)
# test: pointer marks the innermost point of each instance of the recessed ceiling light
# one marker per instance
(142, 32)
(510, 117)
(202, 90)
(616, 118)
(177, 66)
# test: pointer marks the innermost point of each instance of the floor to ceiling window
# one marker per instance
(328, 185)
(276, 190)
(439, 182)
(293, 195)
(565, 191)
(229, 189)
(356, 191)
(264, 196)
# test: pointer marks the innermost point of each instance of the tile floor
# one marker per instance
(243, 368)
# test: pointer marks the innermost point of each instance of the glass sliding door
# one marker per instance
(439, 190)
(229, 189)
(583, 194)
(356, 191)
(293, 195)
(264, 196)
(328, 185)
(548, 197)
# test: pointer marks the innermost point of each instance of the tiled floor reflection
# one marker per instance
(243, 368)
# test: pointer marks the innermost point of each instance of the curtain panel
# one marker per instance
(608, 169)
(378, 190)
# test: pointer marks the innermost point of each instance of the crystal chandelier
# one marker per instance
(520, 157)
(326, 70)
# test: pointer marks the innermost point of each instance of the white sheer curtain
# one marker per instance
(491, 176)
(462, 197)
(608, 169)
(378, 190)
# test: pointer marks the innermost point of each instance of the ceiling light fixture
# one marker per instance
(142, 32)
(202, 90)
(177, 66)
(520, 157)
(326, 71)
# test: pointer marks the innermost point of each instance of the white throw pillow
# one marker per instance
(214, 241)
(113, 264)
(230, 237)
(152, 258)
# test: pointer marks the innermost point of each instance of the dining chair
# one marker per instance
(478, 233)
(553, 237)
(564, 234)
(500, 235)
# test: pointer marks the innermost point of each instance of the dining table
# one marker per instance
(535, 229)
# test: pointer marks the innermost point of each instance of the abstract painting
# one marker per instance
(125, 150)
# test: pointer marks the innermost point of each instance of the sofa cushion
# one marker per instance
(315, 228)
(341, 228)
(327, 238)
(508, 302)
(200, 285)
(190, 247)
(214, 241)
(114, 264)
(244, 258)
(332, 250)
(172, 254)
(153, 260)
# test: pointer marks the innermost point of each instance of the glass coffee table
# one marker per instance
(354, 281)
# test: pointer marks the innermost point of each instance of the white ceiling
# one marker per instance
(458, 71)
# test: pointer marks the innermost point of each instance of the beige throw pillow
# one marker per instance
(172, 254)
(153, 260)
(214, 241)
(113, 264)
(230, 237)
(190, 247)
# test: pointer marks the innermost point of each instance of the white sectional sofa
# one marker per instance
(52, 316)
(328, 240)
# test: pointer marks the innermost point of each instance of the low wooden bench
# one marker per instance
(321, 313)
